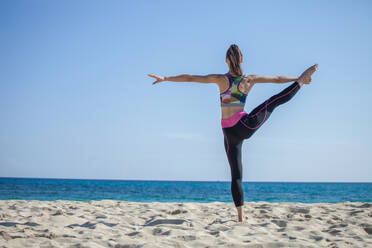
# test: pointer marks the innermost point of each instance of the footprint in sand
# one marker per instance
(264, 206)
(280, 223)
(187, 237)
(87, 224)
(137, 234)
(101, 216)
(217, 227)
(11, 224)
(299, 228)
(297, 210)
(355, 212)
(219, 221)
(5, 235)
(165, 221)
(332, 231)
(364, 205)
(316, 237)
(262, 224)
(338, 225)
(367, 228)
(215, 233)
(92, 225)
(177, 211)
(157, 231)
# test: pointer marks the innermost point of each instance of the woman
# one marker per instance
(237, 125)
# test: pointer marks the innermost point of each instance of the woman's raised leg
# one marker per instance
(261, 113)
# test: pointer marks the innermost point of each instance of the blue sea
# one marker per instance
(179, 191)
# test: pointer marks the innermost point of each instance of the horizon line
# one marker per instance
(163, 180)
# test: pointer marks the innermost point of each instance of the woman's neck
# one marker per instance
(233, 74)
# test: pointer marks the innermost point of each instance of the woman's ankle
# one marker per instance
(240, 213)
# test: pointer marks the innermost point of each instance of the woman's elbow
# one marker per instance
(277, 79)
(188, 77)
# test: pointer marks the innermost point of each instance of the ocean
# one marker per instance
(179, 191)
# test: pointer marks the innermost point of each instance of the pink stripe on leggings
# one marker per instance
(266, 109)
(274, 100)
(261, 121)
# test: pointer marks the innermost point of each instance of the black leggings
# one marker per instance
(243, 129)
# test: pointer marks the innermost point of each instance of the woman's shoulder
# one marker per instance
(220, 77)
(250, 77)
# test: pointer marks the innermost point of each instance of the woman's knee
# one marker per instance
(236, 182)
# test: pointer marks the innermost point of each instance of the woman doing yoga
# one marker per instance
(237, 125)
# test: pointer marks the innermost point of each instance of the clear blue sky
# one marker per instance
(76, 102)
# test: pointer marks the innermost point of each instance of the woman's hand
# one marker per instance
(158, 78)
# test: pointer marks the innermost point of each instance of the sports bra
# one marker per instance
(233, 96)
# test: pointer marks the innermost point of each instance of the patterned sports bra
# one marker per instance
(233, 96)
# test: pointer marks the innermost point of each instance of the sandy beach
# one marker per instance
(109, 223)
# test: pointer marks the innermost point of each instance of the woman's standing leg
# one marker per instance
(233, 150)
(233, 146)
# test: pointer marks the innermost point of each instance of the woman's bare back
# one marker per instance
(245, 86)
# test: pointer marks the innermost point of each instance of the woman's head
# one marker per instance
(234, 59)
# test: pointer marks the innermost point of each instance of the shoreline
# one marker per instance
(111, 223)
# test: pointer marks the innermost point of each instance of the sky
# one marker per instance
(76, 101)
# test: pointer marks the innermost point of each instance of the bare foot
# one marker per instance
(244, 219)
(305, 77)
(241, 216)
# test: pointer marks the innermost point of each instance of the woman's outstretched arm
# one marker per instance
(211, 78)
(266, 79)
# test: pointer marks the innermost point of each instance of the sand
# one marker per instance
(122, 224)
